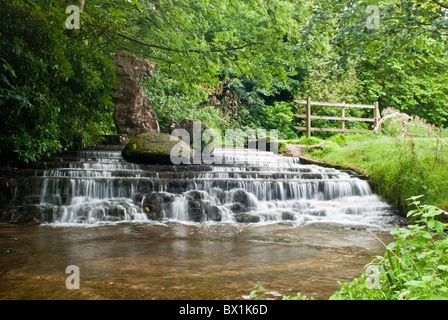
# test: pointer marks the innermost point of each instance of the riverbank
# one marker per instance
(398, 168)
(409, 173)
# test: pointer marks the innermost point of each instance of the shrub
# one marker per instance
(55, 86)
(414, 267)
(280, 116)
(309, 141)
(172, 100)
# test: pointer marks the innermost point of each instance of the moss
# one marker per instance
(160, 149)
(154, 148)
(128, 56)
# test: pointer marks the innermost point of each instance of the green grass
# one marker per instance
(399, 168)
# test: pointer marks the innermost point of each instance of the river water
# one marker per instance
(145, 232)
(182, 261)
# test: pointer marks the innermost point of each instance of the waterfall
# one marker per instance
(248, 186)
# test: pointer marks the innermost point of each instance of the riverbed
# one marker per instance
(167, 261)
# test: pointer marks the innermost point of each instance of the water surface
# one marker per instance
(206, 261)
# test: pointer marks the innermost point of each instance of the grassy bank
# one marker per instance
(399, 168)
(411, 174)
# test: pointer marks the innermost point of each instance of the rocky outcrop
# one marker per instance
(297, 150)
(158, 204)
(294, 150)
(155, 148)
(197, 131)
(133, 113)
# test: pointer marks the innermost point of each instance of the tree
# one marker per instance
(55, 87)
(207, 39)
(56, 83)
(402, 62)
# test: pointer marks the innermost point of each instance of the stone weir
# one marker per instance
(245, 186)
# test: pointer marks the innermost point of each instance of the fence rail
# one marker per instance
(429, 130)
(308, 116)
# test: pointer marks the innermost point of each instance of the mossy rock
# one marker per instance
(155, 148)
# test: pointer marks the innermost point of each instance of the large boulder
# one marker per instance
(156, 203)
(294, 150)
(133, 113)
(155, 148)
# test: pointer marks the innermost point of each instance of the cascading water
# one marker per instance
(249, 186)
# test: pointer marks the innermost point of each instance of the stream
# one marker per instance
(191, 232)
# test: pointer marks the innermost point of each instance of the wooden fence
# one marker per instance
(308, 116)
(431, 131)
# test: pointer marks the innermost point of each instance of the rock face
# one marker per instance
(155, 148)
(133, 113)
(158, 204)
(294, 150)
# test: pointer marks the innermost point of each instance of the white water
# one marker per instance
(249, 186)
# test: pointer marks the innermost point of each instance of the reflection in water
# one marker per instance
(181, 261)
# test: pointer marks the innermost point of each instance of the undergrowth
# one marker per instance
(414, 266)
(399, 168)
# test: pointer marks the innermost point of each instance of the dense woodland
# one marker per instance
(228, 63)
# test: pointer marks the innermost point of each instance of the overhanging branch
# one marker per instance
(186, 51)
(147, 44)
(440, 4)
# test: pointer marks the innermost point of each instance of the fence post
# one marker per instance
(376, 114)
(343, 116)
(308, 117)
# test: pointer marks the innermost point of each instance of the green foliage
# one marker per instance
(309, 141)
(171, 99)
(55, 86)
(298, 296)
(229, 64)
(401, 64)
(414, 266)
(280, 116)
(257, 292)
(339, 139)
(201, 41)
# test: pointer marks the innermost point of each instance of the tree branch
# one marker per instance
(147, 44)
(237, 48)
(440, 4)
(186, 51)
(131, 50)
